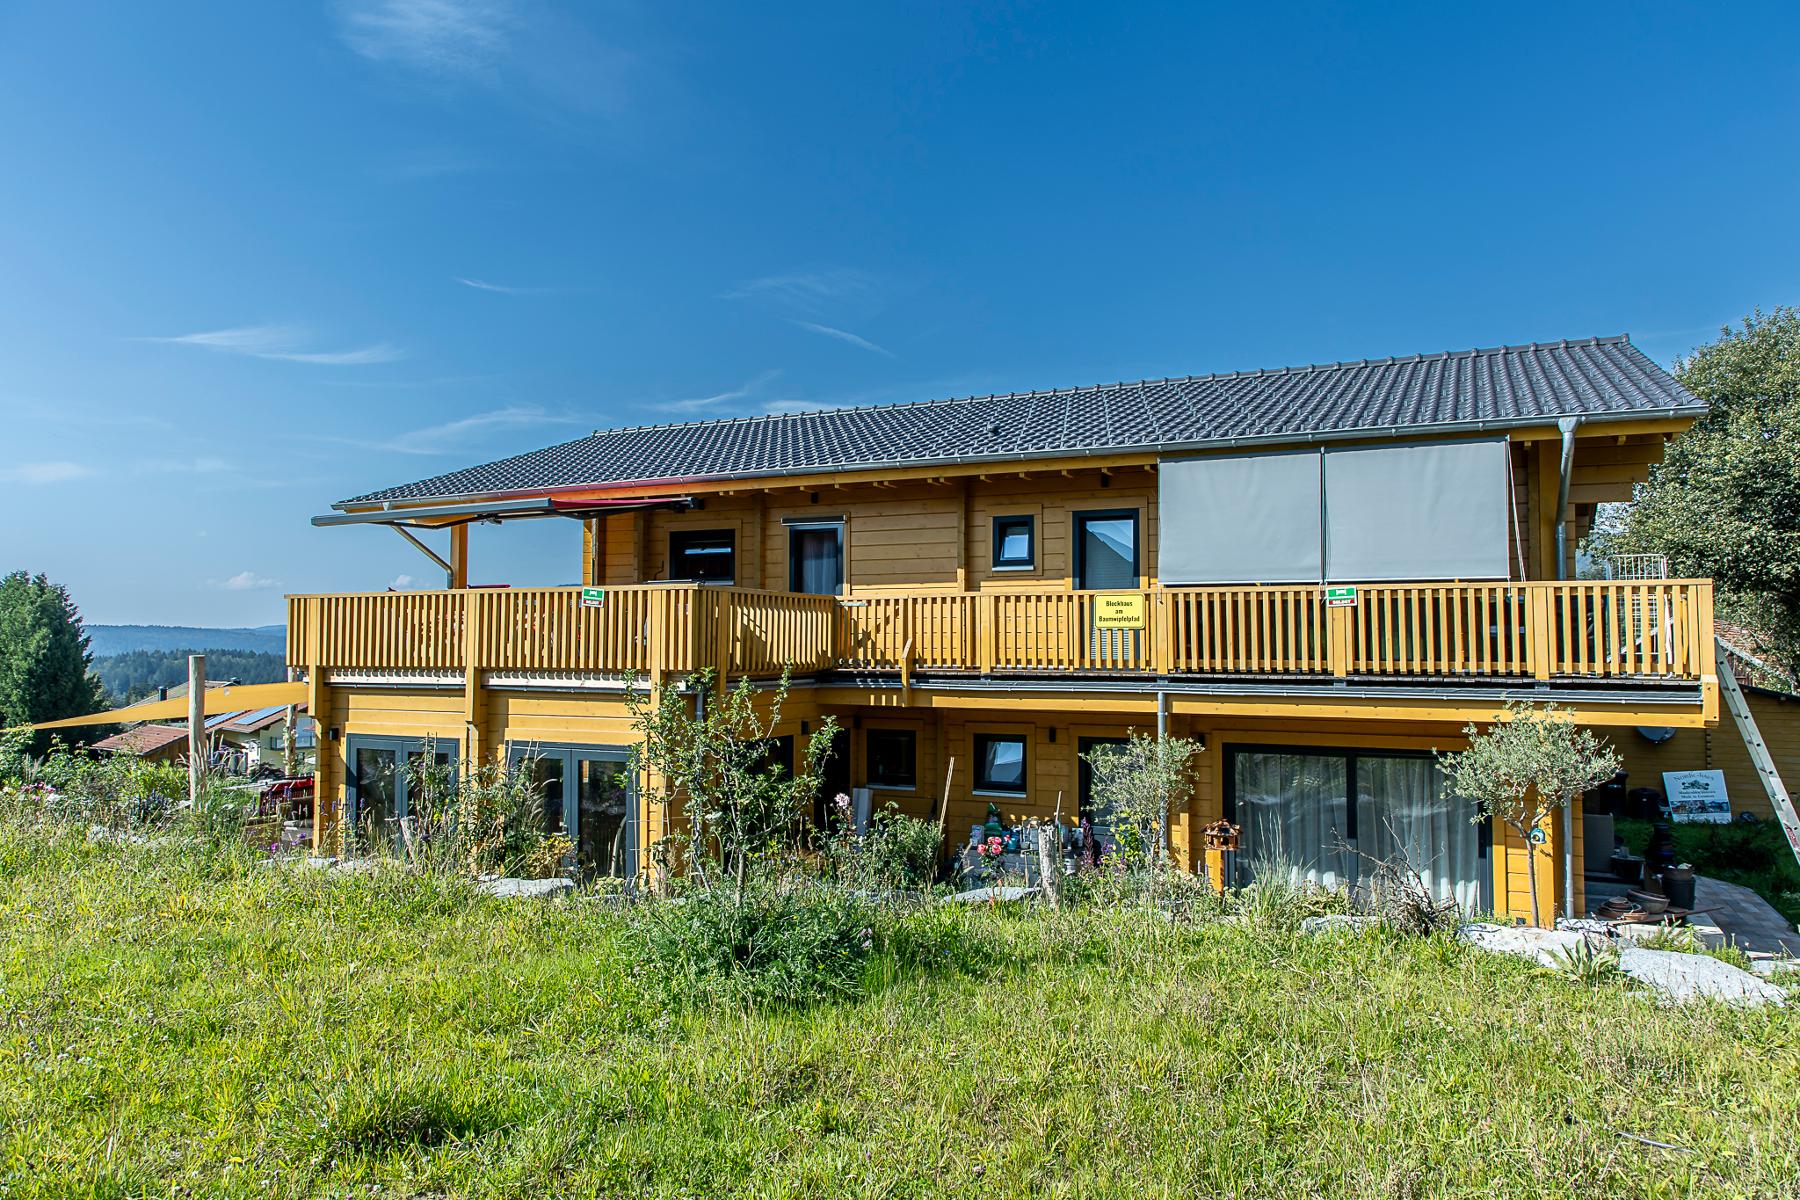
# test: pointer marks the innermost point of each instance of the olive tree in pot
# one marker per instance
(1524, 768)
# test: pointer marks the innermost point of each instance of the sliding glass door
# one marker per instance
(586, 797)
(1325, 816)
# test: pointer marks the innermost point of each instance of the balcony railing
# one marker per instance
(1658, 630)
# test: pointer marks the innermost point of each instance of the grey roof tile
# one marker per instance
(1592, 377)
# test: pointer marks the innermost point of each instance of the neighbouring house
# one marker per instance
(258, 738)
(153, 743)
(1325, 573)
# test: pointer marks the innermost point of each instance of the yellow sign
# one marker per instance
(1121, 612)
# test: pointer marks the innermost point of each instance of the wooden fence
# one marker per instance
(1637, 629)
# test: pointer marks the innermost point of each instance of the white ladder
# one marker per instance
(1759, 751)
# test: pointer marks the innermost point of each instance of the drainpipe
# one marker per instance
(1162, 732)
(1568, 426)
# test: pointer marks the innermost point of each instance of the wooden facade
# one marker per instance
(932, 636)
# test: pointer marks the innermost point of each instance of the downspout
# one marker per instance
(1568, 426)
(1162, 733)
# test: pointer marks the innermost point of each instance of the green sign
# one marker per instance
(1340, 597)
(593, 597)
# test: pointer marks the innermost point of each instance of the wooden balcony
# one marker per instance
(1650, 631)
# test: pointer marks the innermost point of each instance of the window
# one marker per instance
(892, 758)
(816, 559)
(1000, 763)
(1013, 548)
(703, 555)
(1106, 550)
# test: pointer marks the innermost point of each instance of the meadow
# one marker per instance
(184, 1020)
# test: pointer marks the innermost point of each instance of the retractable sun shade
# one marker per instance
(1422, 510)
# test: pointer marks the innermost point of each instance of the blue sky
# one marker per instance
(257, 258)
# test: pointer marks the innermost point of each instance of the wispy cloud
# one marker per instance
(282, 343)
(244, 581)
(48, 471)
(844, 335)
(401, 583)
(809, 291)
(452, 436)
(744, 392)
(508, 289)
(536, 53)
(459, 38)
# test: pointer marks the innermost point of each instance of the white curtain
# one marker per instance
(1292, 809)
(1401, 809)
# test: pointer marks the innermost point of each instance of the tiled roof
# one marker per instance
(1509, 385)
(143, 739)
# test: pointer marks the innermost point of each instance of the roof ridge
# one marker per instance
(1121, 385)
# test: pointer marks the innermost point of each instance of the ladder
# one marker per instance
(1759, 751)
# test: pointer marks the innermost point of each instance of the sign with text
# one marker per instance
(1698, 796)
(1340, 597)
(593, 597)
(1121, 612)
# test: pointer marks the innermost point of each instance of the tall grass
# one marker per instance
(183, 1019)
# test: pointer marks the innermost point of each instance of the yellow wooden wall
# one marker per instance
(945, 742)
(1721, 748)
(939, 534)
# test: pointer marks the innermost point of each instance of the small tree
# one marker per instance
(714, 766)
(1525, 767)
(46, 665)
(1136, 784)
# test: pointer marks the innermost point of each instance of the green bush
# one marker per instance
(781, 945)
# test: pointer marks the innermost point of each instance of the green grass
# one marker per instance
(1752, 854)
(173, 1023)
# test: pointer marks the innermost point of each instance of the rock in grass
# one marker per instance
(538, 889)
(1544, 946)
(1683, 977)
(1769, 968)
(1338, 923)
(987, 895)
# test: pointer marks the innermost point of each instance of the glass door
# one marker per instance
(387, 784)
(1106, 559)
(1326, 816)
(586, 798)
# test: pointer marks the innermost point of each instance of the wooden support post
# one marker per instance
(1707, 660)
(1163, 627)
(1545, 480)
(474, 697)
(987, 618)
(1337, 622)
(1540, 649)
(726, 626)
(459, 556)
(962, 534)
(196, 724)
(596, 546)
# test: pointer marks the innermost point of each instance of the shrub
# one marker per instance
(778, 945)
(488, 822)
(897, 852)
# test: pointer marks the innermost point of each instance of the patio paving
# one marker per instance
(1723, 913)
(1745, 918)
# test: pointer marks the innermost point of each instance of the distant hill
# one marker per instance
(123, 639)
(137, 674)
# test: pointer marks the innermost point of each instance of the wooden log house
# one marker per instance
(1324, 573)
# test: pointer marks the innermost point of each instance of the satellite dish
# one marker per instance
(1656, 735)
